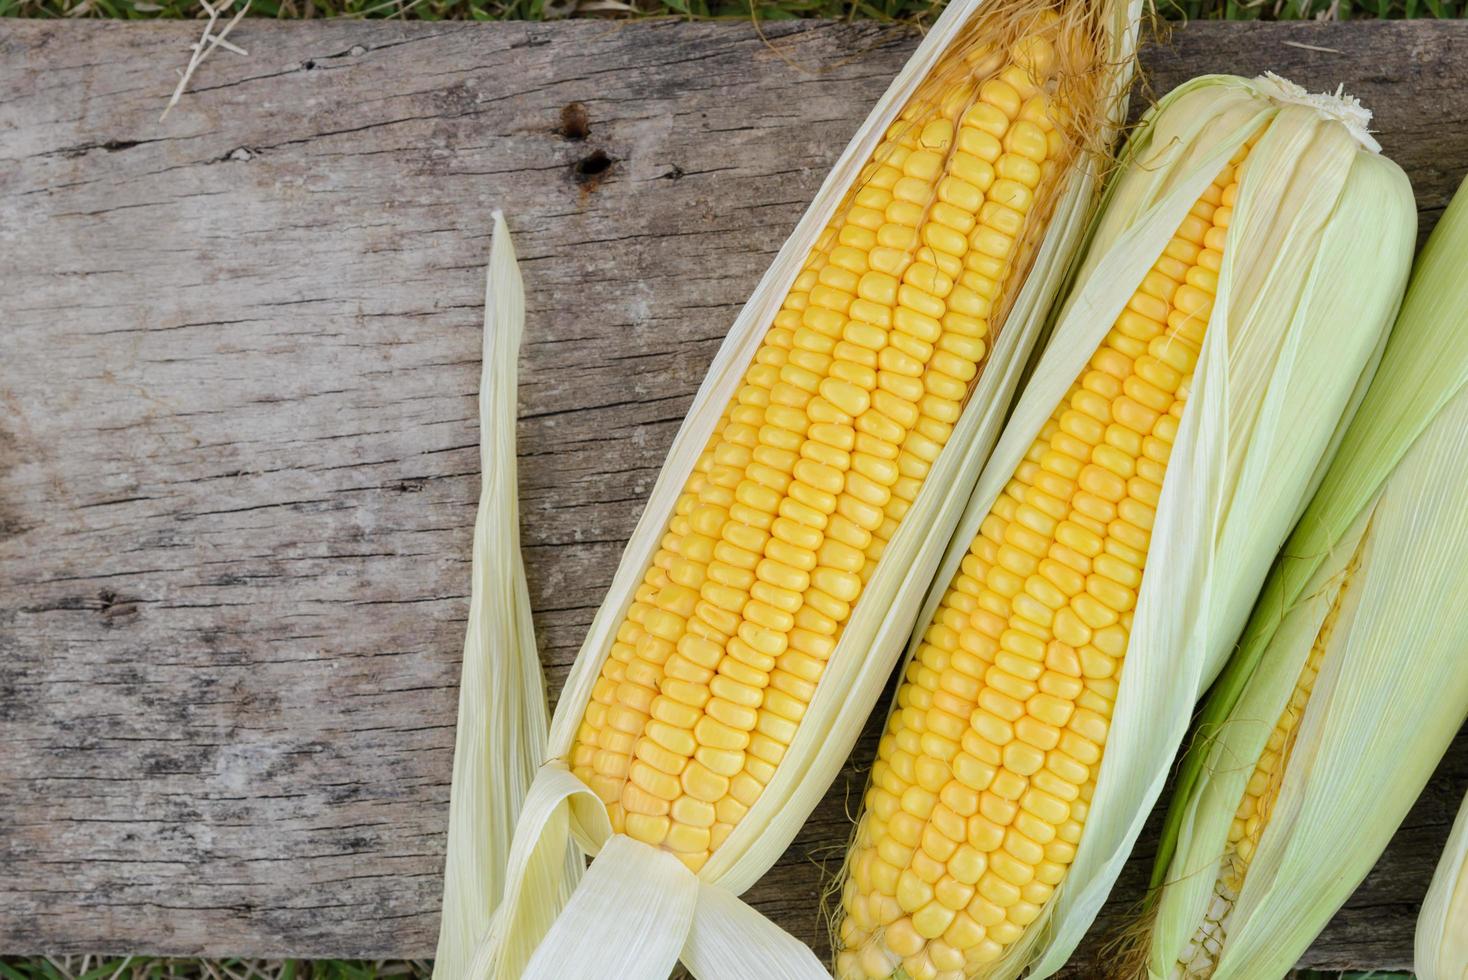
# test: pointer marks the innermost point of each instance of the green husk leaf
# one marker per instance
(1425, 364)
(1397, 487)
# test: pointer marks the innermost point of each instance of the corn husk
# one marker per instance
(638, 910)
(1317, 257)
(1442, 927)
(1383, 542)
(502, 707)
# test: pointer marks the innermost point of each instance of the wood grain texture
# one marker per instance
(237, 450)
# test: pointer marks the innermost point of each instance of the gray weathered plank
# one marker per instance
(237, 456)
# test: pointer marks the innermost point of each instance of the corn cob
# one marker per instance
(784, 551)
(852, 395)
(1351, 629)
(979, 793)
(986, 777)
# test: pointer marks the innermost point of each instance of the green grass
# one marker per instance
(153, 968)
(913, 11)
(156, 968)
(910, 11)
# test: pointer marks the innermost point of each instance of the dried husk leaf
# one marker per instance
(502, 707)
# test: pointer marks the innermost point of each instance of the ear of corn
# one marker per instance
(1442, 927)
(1348, 684)
(502, 709)
(819, 459)
(785, 549)
(1247, 260)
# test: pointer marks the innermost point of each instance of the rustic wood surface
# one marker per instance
(237, 452)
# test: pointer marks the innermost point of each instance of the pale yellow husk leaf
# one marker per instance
(502, 707)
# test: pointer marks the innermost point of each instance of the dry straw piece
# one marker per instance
(1232, 304)
(502, 708)
(785, 549)
(1348, 685)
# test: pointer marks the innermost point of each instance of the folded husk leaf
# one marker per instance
(1393, 511)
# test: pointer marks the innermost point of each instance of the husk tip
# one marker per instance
(1344, 109)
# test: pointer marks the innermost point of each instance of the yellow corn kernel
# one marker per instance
(1004, 713)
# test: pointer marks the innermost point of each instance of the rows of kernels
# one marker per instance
(967, 250)
(852, 444)
(1201, 954)
(628, 694)
(730, 630)
(1263, 786)
(791, 600)
(600, 752)
(984, 776)
(699, 709)
(910, 289)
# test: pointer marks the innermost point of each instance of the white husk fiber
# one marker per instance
(1317, 255)
(1391, 692)
(698, 918)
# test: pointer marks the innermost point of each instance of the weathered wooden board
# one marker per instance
(237, 451)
